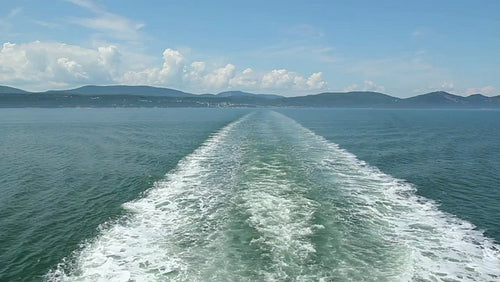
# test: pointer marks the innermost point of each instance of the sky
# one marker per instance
(401, 48)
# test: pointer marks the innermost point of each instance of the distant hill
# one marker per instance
(11, 90)
(147, 96)
(241, 94)
(439, 98)
(478, 99)
(124, 90)
(343, 99)
(444, 99)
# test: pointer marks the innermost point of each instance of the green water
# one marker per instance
(451, 156)
(249, 195)
(65, 171)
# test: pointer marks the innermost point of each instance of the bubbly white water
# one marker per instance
(267, 199)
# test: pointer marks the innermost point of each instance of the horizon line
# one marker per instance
(239, 90)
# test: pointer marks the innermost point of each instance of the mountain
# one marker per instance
(343, 99)
(439, 98)
(147, 96)
(124, 90)
(478, 99)
(442, 99)
(11, 90)
(246, 94)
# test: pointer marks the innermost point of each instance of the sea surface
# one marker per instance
(249, 195)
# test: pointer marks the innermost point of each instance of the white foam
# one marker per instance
(179, 229)
(283, 219)
(435, 245)
(145, 245)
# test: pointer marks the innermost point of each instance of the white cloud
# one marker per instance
(173, 62)
(486, 90)
(220, 77)
(315, 81)
(41, 65)
(178, 72)
(86, 4)
(284, 79)
(247, 78)
(70, 68)
(278, 79)
(367, 85)
(169, 73)
(45, 65)
(109, 55)
(112, 25)
(447, 86)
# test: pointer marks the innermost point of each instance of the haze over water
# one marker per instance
(248, 195)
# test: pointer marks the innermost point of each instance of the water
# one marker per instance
(65, 171)
(451, 156)
(261, 198)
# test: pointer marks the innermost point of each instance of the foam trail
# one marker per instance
(153, 241)
(378, 213)
(267, 199)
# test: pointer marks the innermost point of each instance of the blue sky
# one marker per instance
(401, 48)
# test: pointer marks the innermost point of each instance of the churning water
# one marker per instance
(265, 199)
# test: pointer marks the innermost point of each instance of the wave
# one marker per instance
(266, 199)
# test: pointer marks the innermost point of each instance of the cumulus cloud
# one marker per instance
(247, 78)
(178, 71)
(173, 62)
(109, 55)
(282, 78)
(219, 78)
(486, 90)
(170, 72)
(38, 65)
(315, 81)
(278, 78)
(48, 65)
(367, 85)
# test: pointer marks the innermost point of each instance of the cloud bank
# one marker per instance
(179, 71)
(44, 65)
(51, 65)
